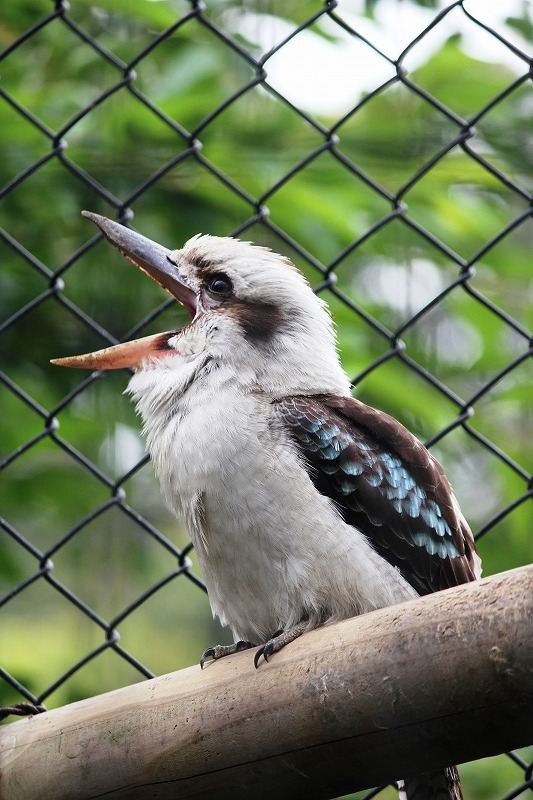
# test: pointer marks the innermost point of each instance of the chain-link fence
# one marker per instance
(386, 150)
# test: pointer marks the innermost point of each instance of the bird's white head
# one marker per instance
(254, 320)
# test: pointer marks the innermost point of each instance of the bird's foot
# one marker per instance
(221, 650)
(278, 641)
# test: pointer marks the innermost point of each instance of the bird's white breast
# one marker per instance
(273, 550)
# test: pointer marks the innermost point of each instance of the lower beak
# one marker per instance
(156, 261)
(127, 354)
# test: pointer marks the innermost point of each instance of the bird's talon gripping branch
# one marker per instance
(278, 641)
(207, 654)
(221, 650)
(264, 652)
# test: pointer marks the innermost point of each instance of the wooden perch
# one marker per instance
(443, 679)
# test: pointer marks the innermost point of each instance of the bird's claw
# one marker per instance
(208, 653)
(264, 651)
(221, 650)
(277, 642)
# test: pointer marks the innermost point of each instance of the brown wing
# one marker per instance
(385, 483)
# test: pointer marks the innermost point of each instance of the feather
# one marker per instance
(385, 483)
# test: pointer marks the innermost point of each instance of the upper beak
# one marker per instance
(154, 260)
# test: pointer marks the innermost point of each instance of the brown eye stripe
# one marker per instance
(259, 321)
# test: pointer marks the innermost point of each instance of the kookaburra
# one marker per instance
(305, 506)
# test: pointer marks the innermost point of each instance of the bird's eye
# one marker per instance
(219, 285)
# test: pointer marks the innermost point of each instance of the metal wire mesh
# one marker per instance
(120, 70)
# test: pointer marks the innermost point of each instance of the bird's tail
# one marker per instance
(441, 785)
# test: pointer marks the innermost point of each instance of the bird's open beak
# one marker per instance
(154, 260)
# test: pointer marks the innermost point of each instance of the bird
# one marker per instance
(305, 505)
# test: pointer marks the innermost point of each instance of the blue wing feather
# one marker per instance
(386, 483)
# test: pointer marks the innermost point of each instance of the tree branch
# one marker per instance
(441, 679)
